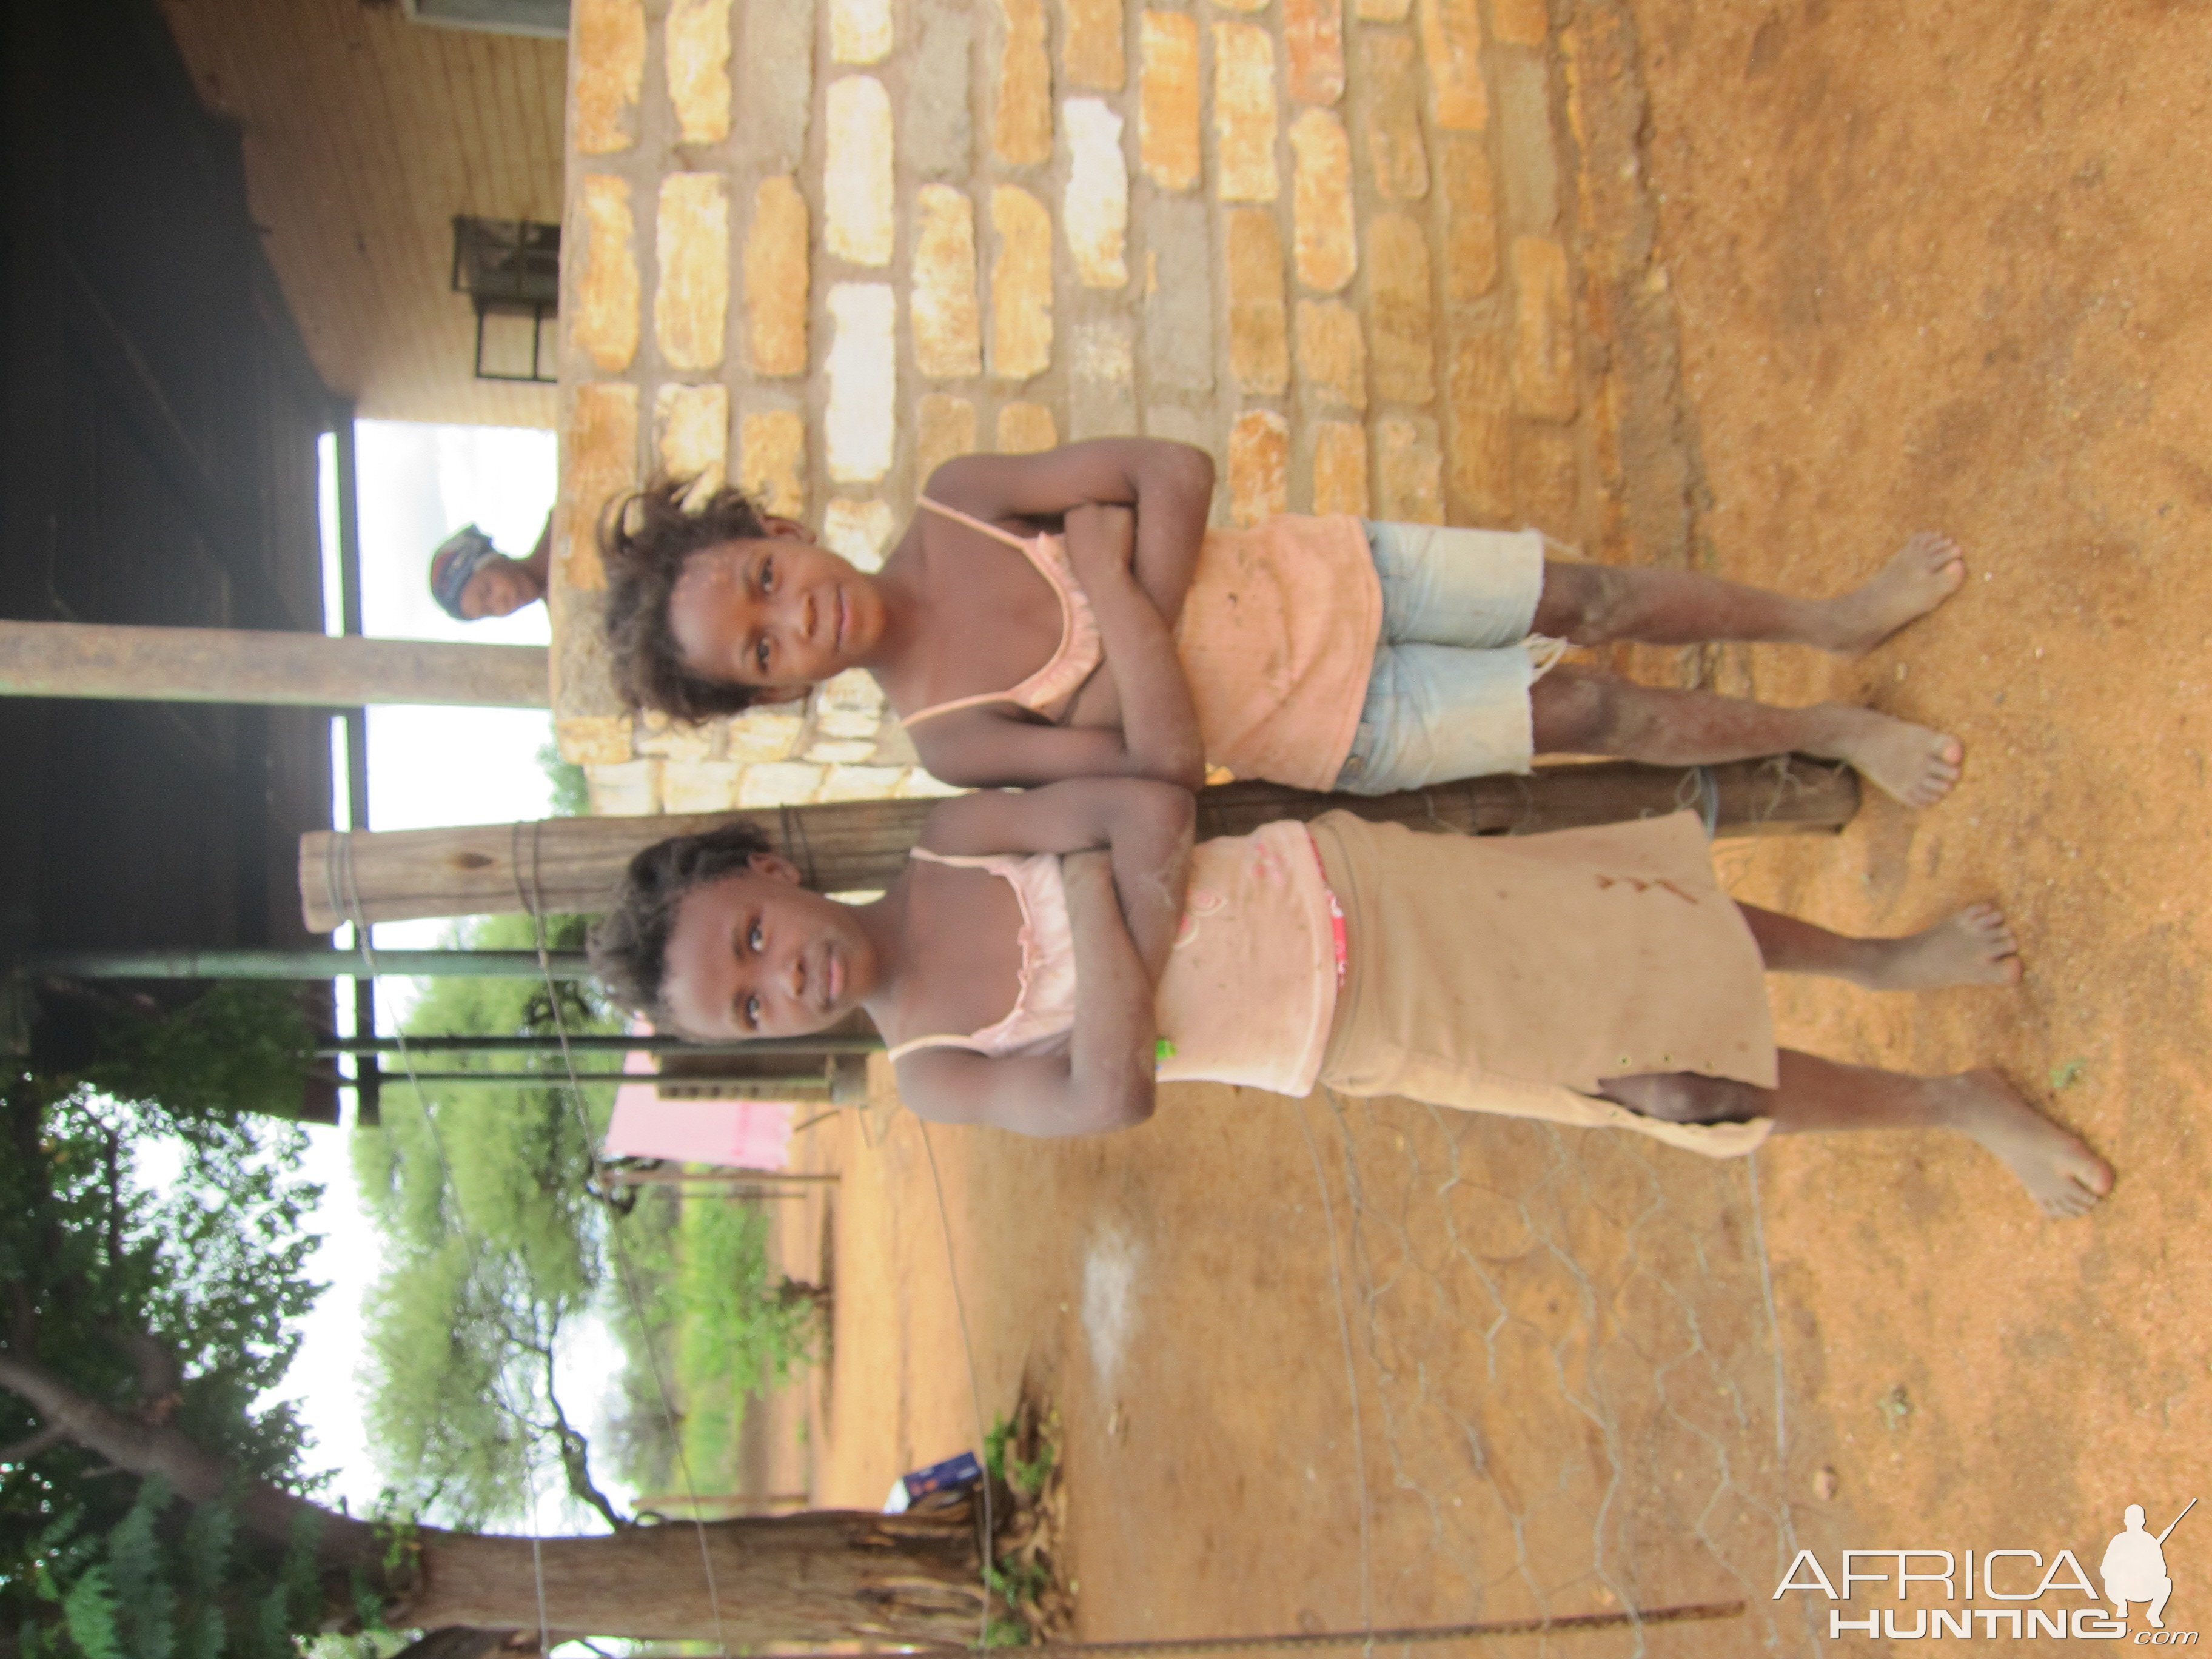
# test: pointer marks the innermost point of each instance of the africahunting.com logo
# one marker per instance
(2132, 1571)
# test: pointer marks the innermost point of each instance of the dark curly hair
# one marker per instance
(645, 541)
(628, 946)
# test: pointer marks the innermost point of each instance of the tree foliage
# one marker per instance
(177, 1306)
(496, 1245)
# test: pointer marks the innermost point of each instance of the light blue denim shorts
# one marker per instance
(1449, 694)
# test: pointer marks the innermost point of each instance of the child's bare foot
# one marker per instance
(1909, 762)
(1926, 571)
(2062, 1174)
(1975, 947)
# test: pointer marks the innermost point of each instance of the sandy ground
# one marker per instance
(1933, 267)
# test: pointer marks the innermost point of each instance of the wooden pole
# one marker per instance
(306, 963)
(248, 665)
(568, 865)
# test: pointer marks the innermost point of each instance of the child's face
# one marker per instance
(756, 955)
(500, 587)
(780, 612)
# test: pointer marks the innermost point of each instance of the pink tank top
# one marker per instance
(1249, 989)
(1044, 1001)
(1078, 652)
(1277, 638)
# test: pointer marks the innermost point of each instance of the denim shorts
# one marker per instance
(1449, 694)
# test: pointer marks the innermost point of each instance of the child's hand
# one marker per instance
(1100, 537)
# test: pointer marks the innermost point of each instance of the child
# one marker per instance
(1037, 966)
(1317, 652)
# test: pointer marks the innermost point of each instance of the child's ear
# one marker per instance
(775, 867)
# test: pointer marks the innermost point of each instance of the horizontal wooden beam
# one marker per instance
(255, 666)
(571, 864)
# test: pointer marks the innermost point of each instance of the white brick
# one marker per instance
(700, 785)
(918, 785)
(1097, 202)
(859, 425)
(860, 783)
(831, 751)
(778, 783)
(857, 532)
(856, 172)
(853, 691)
(760, 735)
(626, 789)
(860, 31)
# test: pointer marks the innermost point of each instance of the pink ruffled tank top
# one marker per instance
(1078, 652)
(1249, 989)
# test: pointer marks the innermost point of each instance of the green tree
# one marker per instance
(497, 1242)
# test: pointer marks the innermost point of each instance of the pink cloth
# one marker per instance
(743, 1135)
(1044, 1000)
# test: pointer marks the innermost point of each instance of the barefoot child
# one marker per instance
(1037, 966)
(1322, 652)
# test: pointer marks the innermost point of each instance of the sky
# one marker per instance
(426, 767)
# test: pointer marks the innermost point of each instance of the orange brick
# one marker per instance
(1470, 217)
(1545, 479)
(1021, 285)
(1021, 119)
(1394, 147)
(604, 319)
(1090, 44)
(691, 300)
(1332, 352)
(1339, 468)
(1403, 347)
(776, 279)
(1244, 112)
(948, 325)
(772, 459)
(1259, 326)
(1313, 40)
(1025, 428)
(696, 43)
(691, 425)
(944, 427)
(1451, 40)
(1321, 202)
(599, 462)
(1479, 394)
(1259, 466)
(608, 48)
(1167, 103)
(1520, 22)
(1409, 473)
(1544, 335)
(594, 739)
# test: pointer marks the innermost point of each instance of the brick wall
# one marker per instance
(823, 247)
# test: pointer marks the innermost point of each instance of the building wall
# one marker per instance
(1345, 246)
(364, 134)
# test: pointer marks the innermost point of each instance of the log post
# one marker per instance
(571, 864)
(251, 665)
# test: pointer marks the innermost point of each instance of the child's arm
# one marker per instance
(1158, 736)
(1124, 903)
(1170, 485)
(1104, 1081)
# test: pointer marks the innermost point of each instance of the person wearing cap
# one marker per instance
(472, 580)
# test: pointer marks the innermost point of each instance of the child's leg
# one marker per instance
(1974, 947)
(1598, 604)
(1816, 1096)
(1582, 711)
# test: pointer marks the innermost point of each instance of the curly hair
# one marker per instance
(628, 946)
(644, 540)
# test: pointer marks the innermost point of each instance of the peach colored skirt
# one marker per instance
(1510, 974)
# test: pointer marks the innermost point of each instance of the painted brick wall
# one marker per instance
(820, 247)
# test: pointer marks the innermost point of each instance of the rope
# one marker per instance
(974, 1383)
(531, 899)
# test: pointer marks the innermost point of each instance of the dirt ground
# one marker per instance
(1319, 1364)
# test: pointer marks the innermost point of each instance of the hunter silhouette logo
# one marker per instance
(2134, 1567)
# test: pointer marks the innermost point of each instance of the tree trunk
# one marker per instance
(572, 864)
(822, 1576)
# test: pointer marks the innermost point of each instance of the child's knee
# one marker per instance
(1582, 711)
(1682, 1098)
(1589, 602)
